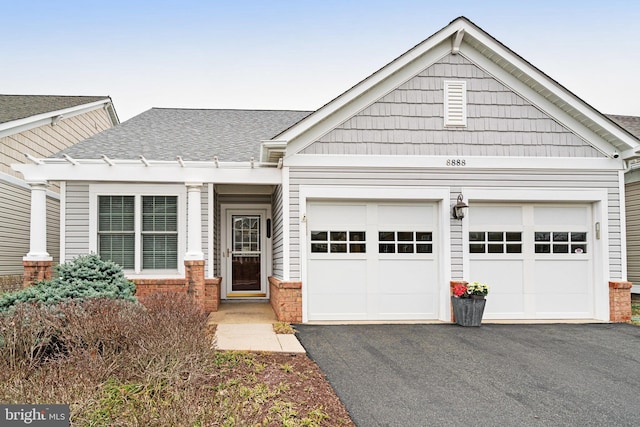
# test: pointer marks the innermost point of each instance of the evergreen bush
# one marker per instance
(86, 276)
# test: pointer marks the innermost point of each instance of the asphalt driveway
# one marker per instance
(495, 375)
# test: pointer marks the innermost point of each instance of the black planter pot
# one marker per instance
(468, 311)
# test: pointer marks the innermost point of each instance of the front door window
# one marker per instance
(246, 253)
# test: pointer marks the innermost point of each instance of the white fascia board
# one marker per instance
(444, 162)
(22, 125)
(139, 173)
(573, 102)
(364, 94)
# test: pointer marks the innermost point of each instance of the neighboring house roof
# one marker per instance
(15, 107)
(193, 134)
(630, 123)
(464, 37)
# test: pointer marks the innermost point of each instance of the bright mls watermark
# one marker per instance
(34, 415)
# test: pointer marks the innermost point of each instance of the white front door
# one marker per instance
(245, 253)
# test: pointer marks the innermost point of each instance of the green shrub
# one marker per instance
(86, 276)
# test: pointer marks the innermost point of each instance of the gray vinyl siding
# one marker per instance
(53, 229)
(217, 270)
(633, 231)
(76, 220)
(15, 220)
(277, 233)
(204, 203)
(14, 227)
(455, 181)
(410, 121)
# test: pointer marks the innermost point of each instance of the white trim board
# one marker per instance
(470, 162)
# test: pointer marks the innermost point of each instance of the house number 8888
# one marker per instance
(456, 162)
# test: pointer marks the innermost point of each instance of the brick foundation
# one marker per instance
(212, 294)
(286, 300)
(210, 300)
(451, 285)
(620, 301)
(146, 287)
(35, 271)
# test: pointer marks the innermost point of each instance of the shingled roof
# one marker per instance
(630, 123)
(16, 107)
(164, 133)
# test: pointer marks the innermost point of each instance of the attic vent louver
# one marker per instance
(455, 103)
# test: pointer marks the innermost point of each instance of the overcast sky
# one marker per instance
(294, 54)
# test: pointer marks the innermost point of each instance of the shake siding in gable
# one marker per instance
(633, 232)
(410, 121)
(456, 181)
(77, 220)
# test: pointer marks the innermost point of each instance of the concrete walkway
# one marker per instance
(248, 326)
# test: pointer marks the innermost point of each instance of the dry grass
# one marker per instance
(283, 328)
(119, 363)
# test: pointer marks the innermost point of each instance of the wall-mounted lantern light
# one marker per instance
(458, 212)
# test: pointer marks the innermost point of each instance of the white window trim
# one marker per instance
(139, 190)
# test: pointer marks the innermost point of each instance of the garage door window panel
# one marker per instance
(495, 242)
(405, 242)
(338, 242)
(560, 242)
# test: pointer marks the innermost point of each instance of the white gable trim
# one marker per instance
(479, 47)
(539, 101)
(356, 99)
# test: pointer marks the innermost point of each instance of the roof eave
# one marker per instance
(52, 117)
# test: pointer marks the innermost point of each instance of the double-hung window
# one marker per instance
(142, 228)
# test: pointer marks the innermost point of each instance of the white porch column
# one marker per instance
(38, 230)
(194, 222)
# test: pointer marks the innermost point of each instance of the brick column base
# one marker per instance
(212, 294)
(194, 276)
(451, 286)
(35, 271)
(620, 301)
(286, 300)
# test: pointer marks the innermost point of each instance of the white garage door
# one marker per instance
(371, 261)
(538, 260)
